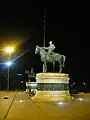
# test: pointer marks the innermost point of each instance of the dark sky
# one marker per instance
(23, 27)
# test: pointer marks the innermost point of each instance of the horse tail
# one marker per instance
(64, 58)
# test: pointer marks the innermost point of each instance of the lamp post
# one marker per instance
(44, 33)
(9, 50)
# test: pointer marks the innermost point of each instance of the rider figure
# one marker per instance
(50, 48)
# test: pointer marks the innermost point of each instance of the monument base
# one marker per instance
(51, 84)
(52, 78)
(47, 96)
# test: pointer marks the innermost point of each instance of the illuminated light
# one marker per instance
(9, 63)
(21, 81)
(32, 84)
(18, 93)
(84, 83)
(19, 74)
(9, 49)
(54, 92)
(73, 98)
(80, 99)
(21, 101)
(60, 103)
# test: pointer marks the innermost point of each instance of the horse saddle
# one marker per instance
(50, 55)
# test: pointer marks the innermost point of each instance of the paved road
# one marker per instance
(5, 103)
(21, 107)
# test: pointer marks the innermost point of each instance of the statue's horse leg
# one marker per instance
(45, 66)
(53, 66)
(60, 66)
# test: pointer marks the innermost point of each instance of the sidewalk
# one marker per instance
(5, 103)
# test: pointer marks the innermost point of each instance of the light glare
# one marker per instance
(60, 103)
(9, 49)
(80, 99)
(9, 63)
(21, 101)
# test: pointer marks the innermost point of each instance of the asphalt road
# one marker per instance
(20, 106)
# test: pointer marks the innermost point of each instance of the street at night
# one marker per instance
(19, 106)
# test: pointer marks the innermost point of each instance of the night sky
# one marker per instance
(23, 27)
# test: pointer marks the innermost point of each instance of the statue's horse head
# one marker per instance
(39, 50)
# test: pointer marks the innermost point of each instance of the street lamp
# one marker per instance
(9, 50)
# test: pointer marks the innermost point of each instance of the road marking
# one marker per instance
(5, 116)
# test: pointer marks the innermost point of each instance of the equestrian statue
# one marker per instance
(50, 56)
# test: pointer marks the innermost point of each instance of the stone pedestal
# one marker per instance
(52, 78)
(50, 84)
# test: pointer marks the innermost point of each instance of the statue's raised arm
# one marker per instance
(46, 48)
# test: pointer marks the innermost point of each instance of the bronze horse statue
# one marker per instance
(46, 57)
